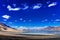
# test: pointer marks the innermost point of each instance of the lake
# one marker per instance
(43, 31)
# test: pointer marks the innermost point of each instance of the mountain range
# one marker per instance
(4, 27)
(52, 28)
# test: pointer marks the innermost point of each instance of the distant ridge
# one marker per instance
(52, 28)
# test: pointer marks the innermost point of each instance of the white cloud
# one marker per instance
(21, 18)
(44, 20)
(24, 20)
(52, 4)
(57, 20)
(52, 20)
(22, 27)
(3, 5)
(12, 9)
(36, 27)
(48, 2)
(5, 19)
(10, 22)
(6, 16)
(26, 7)
(30, 20)
(15, 27)
(14, 5)
(37, 6)
(53, 14)
(15, 20)
(30, 28)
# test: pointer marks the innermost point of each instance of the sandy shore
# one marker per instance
(6, 35)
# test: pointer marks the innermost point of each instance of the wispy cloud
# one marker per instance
(45, 20)
(5, 19)
(48, 2)
(29, 20)
(57, 20)
(21, 19)
(22, 27)
(24, 20)
(37, 6)
(52, 4)
(25, 6)
(6, 16)
(14, 5)
(15, 20)
(10, 22)
(15, 26)
(34, 27)
(12, 9)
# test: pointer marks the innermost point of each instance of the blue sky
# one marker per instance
(29, 13)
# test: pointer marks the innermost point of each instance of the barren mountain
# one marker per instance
(4, 27)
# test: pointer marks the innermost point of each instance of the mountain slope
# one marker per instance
(4, 27)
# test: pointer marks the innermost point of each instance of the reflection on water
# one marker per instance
(43, 31)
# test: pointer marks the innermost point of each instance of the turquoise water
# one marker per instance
(43, 31)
